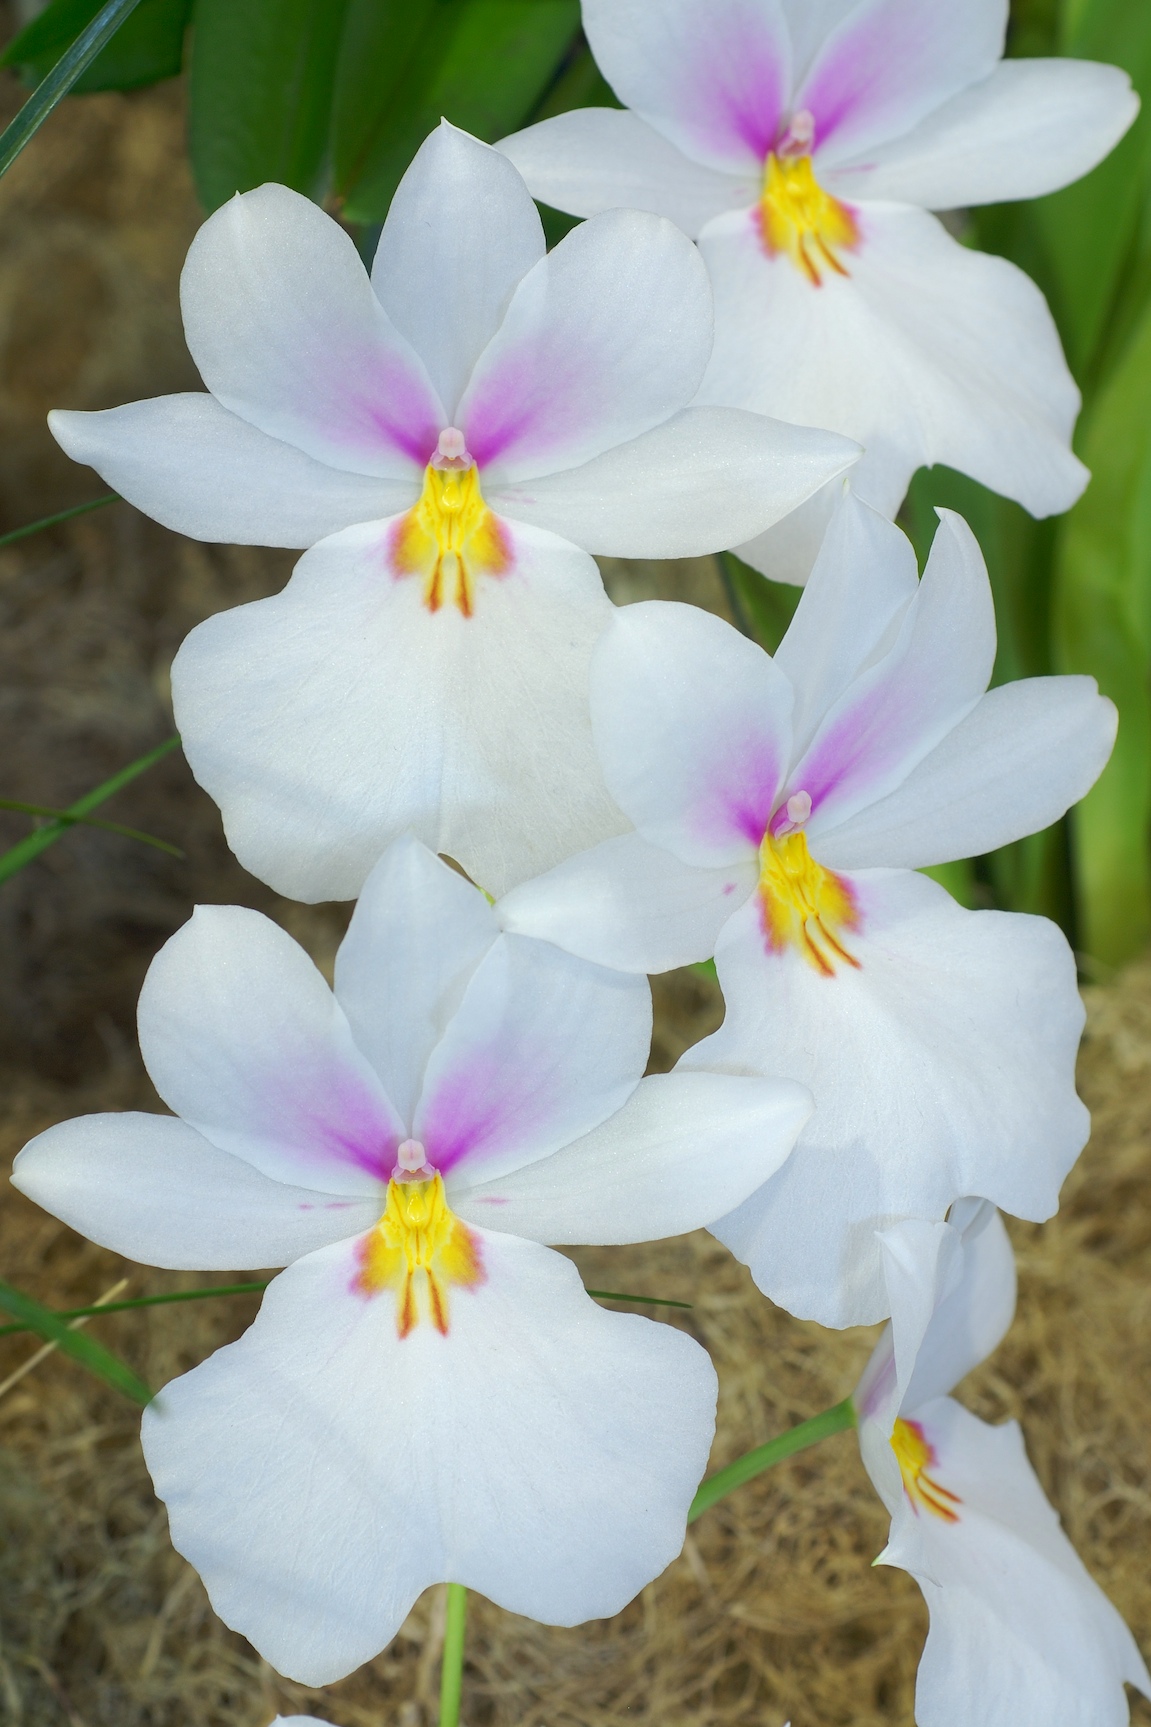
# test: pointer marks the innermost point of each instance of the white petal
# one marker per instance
(685, 1149)
(1022, 757)
(460, 232)
(926, 352)
(330, 719)
(787, 552)
(890, 62)
(692, 727)
(1020, 1632)
(152, 1188)
(1031, 127)
(282, 322)
(901, 705)
(704, 479)
(711, 75)
(321, 1472)
(629, 904)
(543, 1047)
(416, 936)
(594, 159)
(202, 471)
(605, 338)
(951, 1290)
(244, 1040)
(942, 1067)
(862, 582)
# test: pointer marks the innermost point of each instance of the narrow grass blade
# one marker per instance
(61, 79)
(91, 822)
(452, 1663)
(33, 1316)
(835, 1420)
(30, 528)
(26, 849)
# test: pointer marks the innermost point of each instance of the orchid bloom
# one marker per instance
(1021, 1635)
(781, 809)
(428, 1393)
(458, 433)
(805, 146)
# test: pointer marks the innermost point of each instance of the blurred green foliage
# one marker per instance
(334, 96)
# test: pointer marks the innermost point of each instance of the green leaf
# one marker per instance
(837, 1419)
(30, 528)
(261, 93)
(75, 1344)
(761, 609)
(22, 853)
(71, 65)
(148, 46)
(482, 64)
(1102, 607)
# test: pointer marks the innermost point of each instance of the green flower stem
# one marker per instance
(254, 1289)
(452, 1666)
(91, 822)
(60, 516)
(61, 78)
(27, 849)
(834, 1420)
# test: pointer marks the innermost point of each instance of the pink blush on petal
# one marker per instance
(471, 1116)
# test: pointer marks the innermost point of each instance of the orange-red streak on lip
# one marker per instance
(915, 1453)
(450, 538)
(419, 1247)
(805, 905)
(797, 217)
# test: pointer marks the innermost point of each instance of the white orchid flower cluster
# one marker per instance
(428, 1393)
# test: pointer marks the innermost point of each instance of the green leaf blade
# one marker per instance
(22, 854)
(76, 1345)
(149, 46)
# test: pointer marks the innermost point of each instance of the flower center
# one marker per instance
(915, 1453)
(450, 538)
(804, 905)
(796, 215)
(419, 1248)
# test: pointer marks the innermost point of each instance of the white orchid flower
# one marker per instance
(427, 1394)
(805, 146)
(781, 809)
(465, 428)
(1021, 1635)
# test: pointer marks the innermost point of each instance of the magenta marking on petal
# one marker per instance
(741, 806)
(480, 1109)
(859, 73)
(730, 78)
(350, 1131)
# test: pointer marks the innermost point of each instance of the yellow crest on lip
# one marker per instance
(419, 1248)
(805, 905)
(450, 538)
(915, 1454)
(798, 217)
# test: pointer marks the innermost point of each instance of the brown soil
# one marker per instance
(773, 1611)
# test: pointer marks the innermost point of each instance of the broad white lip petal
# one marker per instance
(928, 352)
(337, 715)
(605, 338)
(544, 1452)
(703, 479)
(460, 232)
(629, 904)
(712, 75)
(416, 936)
(896, 711)
(1030, 128)
(696, 777)
(244, 1040)
(862, 582)
(888, 63)
(684, 1149)
(281, 319)
(542, 1048)
(593, 159)
(966, 1024)
(152, 1188)
(1025, 753)
(200, 470)
(1019, 1628)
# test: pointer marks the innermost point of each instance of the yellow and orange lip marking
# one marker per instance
(805, 905)
(798, 218)
(915, 1455)
(450, 538)
(419, 1249)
